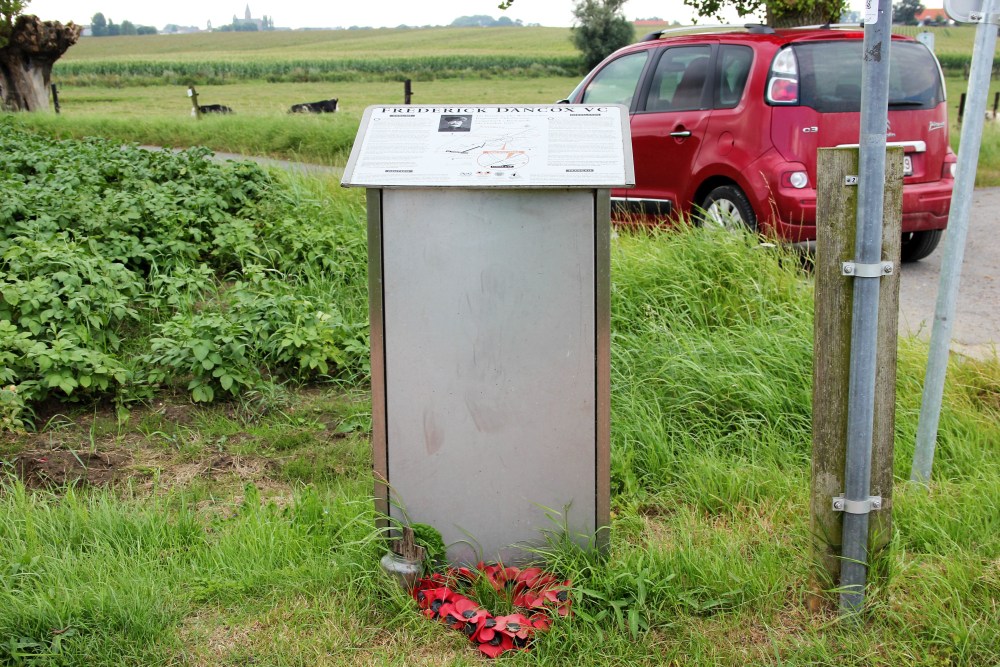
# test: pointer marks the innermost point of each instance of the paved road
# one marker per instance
(976, 330)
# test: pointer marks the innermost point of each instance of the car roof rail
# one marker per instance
(752, 28)
(829, 26)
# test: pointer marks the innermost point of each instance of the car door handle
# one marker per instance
(681, 133)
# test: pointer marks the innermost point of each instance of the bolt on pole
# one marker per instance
(864, 326)
(954, 244)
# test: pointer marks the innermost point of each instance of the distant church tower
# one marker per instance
(248, 13)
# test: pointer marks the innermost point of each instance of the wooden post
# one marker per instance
(961, 108)
(55, 98)
(836, 213)
(193, 94)
(407, 91)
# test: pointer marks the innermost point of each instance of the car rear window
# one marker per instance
(830, 76)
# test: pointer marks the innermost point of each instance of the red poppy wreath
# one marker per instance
(541, 596)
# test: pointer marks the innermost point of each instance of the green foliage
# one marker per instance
(601, 28)
(9, 10)
(430, 539)
(123, 269)
(98, 25)
(779, 13)
(905, 11)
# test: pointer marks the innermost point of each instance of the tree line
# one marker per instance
(105, 27)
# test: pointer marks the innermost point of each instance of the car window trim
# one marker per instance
(654, 62)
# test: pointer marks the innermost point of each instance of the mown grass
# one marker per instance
(161, 115)
(243, 532)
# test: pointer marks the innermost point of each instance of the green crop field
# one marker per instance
(304, 44)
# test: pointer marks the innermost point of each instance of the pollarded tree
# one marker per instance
(601, 28)
(28, 49)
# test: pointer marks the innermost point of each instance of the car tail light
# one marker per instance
(783, 80)
(950, 170)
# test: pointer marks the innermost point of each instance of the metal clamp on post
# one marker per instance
(857, 270)
(841, 504)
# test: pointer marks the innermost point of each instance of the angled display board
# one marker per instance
(492, 146)
(489, 291)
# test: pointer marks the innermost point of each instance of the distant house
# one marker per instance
(931, 17)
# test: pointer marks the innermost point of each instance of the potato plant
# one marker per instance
(123, 271)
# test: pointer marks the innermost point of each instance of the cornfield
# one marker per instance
(150, 72)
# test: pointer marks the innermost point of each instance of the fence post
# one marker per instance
(407, 91)
(193, 94)
(961, 108)
(836, 219)
(55, 98)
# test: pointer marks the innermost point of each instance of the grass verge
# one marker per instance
(243, 531)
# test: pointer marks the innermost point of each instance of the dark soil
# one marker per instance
(40, 468)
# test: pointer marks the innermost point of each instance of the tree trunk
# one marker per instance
(26, 61)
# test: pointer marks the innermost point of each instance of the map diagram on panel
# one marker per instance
(489, 147)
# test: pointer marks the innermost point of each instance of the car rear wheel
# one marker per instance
(917, 245)
(727, 207)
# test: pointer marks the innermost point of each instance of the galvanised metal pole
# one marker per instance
(864, 324)
(954, 244)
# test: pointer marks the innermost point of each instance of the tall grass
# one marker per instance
(709, 561)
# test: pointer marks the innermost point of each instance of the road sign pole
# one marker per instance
(954, 242)
(857, 502)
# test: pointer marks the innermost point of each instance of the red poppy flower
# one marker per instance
(463, 611)
(514, 625)
(497, 645)
(500, 577)
(541, 622)
(433, 600)
(485, 629)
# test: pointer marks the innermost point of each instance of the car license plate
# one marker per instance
(907, 165)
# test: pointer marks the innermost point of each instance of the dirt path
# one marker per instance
(977, 314)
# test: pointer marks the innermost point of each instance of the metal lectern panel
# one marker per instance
(490, 358)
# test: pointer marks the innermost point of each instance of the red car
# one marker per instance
(725, 125)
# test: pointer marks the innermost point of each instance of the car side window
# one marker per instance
(734, 68)
(679, 80)
(617, 81)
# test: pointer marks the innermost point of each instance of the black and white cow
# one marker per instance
(214, 108)
(323, 106)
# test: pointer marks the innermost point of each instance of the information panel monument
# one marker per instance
(489, 287)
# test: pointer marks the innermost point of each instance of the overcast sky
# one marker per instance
(334, 13)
